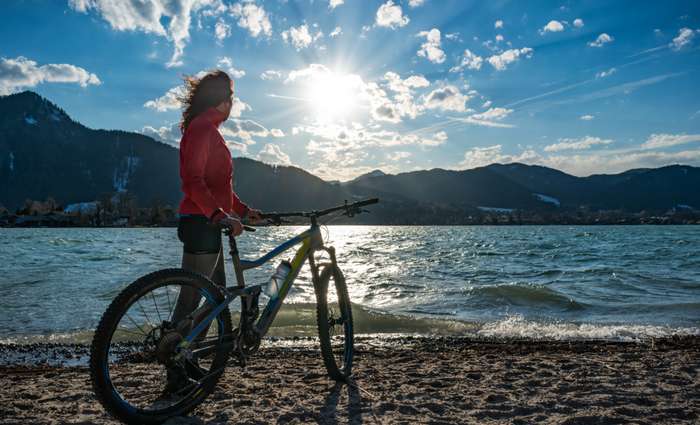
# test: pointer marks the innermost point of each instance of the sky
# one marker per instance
(344, 87)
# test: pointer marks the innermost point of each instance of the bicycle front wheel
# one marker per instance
(142, 371)
(334, 316)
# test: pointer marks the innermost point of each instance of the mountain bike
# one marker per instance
(138, 349)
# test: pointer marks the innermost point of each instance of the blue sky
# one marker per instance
(344, 87)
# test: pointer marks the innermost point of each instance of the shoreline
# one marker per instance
(410, 380)
(76, 354)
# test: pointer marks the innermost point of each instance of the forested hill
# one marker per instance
(44, 153)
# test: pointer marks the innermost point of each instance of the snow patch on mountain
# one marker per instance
(123, 172)
(547, 199)
(30, 120)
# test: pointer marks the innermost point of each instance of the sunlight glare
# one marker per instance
(333, 96)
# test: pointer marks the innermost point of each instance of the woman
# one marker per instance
(206, 171)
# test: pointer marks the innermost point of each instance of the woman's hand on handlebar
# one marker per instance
(229, 222)
(254, 216)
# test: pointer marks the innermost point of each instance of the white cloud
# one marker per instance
(336, 32)
(390, 15)
(604, 74)
(498, 24)
(271, 74)
(581, 143)
(276, 132)
(592, 161)
(226, 63)
(501, 61)
(552, 26)
(447, 98)
(602, 40)
(416, 3)
(332, 4)
(222, 30)
(470, 61)
(586, 117)
(656, 141)
(578, 23)
(430, 49)
(685, 37)
(398, 155)
(615, 162)
(488, 118)
(20, 73)
(170, 100)
(239, 107)
(300, 37)
(480, 157)
(146, 16)
(242, 130)
(493, 114)
(272, 154)
(392, 109)
(341, 150)
(314, 70)
(253, 18)
(169, 134)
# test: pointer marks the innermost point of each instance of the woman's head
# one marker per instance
(215, 89)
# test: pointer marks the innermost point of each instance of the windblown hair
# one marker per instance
(203, 93)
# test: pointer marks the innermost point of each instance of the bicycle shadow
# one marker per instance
(329, 411)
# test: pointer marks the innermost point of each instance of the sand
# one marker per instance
(410, 380)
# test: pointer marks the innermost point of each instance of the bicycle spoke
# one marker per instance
(148, 320)
(155, 304)
(170, 306)
(135, 324)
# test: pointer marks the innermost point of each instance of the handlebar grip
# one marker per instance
(367, 202)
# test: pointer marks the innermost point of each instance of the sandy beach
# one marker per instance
(402, 380)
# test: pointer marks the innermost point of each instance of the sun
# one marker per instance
(333, 96)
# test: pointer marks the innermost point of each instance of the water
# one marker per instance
(528, 281)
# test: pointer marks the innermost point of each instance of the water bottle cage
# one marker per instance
(251, 308)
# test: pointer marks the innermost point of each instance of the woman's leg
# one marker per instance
(210, 265)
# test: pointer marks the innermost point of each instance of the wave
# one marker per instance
(299, 320)
(519, 327)
(527, 295)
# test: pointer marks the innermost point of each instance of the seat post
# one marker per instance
(236, 259)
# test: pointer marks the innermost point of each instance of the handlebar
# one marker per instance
(276, 218)
(350, 210)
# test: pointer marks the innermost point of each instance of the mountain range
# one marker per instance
(43, 152)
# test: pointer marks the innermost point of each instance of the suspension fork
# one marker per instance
(314, 267)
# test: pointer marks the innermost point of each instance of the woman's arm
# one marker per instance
(239, 207)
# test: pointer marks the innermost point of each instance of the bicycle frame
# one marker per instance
(310, 241)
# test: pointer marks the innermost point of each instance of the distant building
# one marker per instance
(82, 208)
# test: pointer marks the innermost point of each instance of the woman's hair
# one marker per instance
(203, 93)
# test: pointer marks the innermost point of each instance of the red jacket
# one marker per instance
(206, 168)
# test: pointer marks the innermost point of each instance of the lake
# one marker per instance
(613, 282)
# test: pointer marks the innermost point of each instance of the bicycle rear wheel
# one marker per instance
(140, 372)
(334, 317)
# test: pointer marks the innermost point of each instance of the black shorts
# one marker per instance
(198, 235)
